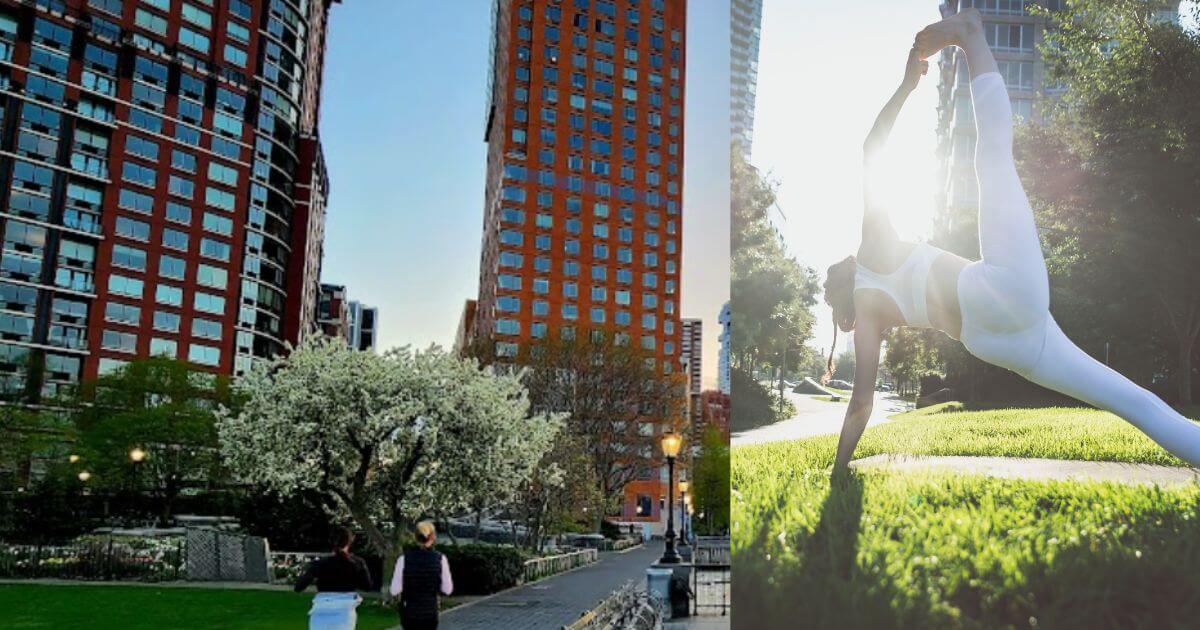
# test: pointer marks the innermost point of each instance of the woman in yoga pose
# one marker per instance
(998, 306)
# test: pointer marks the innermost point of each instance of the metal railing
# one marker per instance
(711, 575)
(539, 568)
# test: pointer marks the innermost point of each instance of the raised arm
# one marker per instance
(876, 223)
(867, 339)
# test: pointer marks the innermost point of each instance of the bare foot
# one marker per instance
(952, 31)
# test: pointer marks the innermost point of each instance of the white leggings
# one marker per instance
(1005, 297)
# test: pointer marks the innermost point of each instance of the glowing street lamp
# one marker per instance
(683, 510)
(670, 447)
(73, 458)
(137, 455)
(84, 476)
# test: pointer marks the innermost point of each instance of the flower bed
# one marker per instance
(286, 567)
(95, 557)
(622, 544)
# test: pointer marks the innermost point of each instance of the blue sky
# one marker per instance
(402, 126)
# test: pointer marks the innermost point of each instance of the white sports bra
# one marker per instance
(906, 285)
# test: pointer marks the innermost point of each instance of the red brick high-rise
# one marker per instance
(582, 219)
(162, 189)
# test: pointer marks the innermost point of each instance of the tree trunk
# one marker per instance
(389, 566)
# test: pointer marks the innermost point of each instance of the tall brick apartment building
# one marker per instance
(582, 218)
(162, 189)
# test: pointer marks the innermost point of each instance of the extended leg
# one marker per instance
(1008, 239)
(1065, 368)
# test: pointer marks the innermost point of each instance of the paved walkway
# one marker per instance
(1034, 468)
(698, 623)
(559, 600)
(818, 417)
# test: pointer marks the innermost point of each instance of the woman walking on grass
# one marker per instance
(421, 574)
(338, 577)
(998, 306)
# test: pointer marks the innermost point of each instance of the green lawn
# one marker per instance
(886, 549)
(136, 607)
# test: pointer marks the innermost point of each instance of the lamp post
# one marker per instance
(670, 446)
(683, 488)
(137, 455)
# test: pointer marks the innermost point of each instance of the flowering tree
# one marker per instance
(385, 439)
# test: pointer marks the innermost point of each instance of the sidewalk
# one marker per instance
(556, 601)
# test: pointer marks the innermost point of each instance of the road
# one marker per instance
(818, 417)
(559, 600)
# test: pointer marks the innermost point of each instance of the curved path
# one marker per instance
(559, 600)
(818, 417)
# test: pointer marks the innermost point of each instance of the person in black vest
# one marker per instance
(338, 577)
(420, 575)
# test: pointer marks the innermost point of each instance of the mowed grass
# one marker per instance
(113, 607)
(935, 550)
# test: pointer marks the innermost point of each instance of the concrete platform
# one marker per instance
(1034, 468)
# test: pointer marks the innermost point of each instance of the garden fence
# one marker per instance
(539, 568)
(214, 555)
(711, 575)
(97, 558)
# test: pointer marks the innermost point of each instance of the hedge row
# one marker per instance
(484, 569)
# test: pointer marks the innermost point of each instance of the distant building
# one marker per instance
(162, 185)
(690, 346)
(714, 407)
(744, 33)
(723, 356)
(583, 193)
(349, 320)
(333, 312)
(1014, 36)
(364, 326)
(466, 328)
(691, 339)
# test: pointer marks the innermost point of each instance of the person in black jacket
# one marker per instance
(420, 575)
(338, 577)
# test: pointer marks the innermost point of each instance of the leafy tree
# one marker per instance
(561, 495)
(1118, 172)
(771, 293)
(384, 439)
(711, 481)
(843, 366)
(25, 436)
(149, 427)
(911, 354)
(613, 398)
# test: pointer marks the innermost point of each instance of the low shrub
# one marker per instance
(484, 569)
(610, 530)
(755, 405)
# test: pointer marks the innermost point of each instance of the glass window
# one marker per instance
(208, 303)
(163, 347)
(204, 355)
(168, 322)
(169, 295)
(206, 329)
(122, 313)
(171, 267)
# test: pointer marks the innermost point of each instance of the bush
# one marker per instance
(484, 569)
(754, 405)
(49, 517)
(610, 530)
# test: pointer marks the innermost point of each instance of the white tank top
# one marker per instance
(906, 285)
